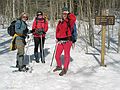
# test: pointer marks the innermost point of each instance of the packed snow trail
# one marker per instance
(84, 71)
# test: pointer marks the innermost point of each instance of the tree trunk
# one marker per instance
(119, 40)
(70, 6)
(37, 4)
(13, 9)
(91, 29)
(24, 5)
(51, 14)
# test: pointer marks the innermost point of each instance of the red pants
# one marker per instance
(59, 49)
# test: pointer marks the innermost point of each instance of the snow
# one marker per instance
(85, 72)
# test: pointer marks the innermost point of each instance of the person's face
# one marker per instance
(39, 15)
(64, 15)
(24, 17)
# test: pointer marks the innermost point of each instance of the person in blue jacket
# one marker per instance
(21, 31)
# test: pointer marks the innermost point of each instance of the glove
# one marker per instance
(32, 31)
(40, 31)
(25, 31)
(68, 16)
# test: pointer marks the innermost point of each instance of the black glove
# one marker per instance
(32, 31)
(40, 31)
(25, 31)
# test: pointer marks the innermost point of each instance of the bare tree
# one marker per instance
(14, 9)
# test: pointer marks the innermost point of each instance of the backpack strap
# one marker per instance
(20, 23)
(39, 19)
(68, 26)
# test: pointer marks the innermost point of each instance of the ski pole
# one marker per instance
(53, 55)
(31, 63)
(41, 48)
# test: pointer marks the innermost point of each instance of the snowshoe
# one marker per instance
(23, 68)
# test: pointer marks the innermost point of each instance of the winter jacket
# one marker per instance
(21, 29)
(39, 25)
(63, 31)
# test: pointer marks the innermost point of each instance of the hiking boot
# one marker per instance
(57, 69)
(17, 65)
(64, 71)
(20, 69)
(43, 60)
(37, 61)
(36, 57)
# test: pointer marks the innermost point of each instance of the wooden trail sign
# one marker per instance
(104, 20)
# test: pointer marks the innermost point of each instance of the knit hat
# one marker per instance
(39, 13)
(65, 10)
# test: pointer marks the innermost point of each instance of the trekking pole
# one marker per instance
(41, 48)
(53, 55)
(52, 59)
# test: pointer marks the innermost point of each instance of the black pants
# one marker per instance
(39, 42)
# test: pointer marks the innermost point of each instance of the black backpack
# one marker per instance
(11, 28)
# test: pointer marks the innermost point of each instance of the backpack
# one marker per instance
(40, 31)
(11, 28)
(73, 32)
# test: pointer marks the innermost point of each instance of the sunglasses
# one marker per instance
(65, 13)
(24, 17)
(39, 15)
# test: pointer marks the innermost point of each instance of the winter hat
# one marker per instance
(65, 10)
(39, 13)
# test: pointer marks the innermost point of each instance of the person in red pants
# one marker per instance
(64, 40)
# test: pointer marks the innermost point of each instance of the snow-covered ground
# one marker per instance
(85, 72)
